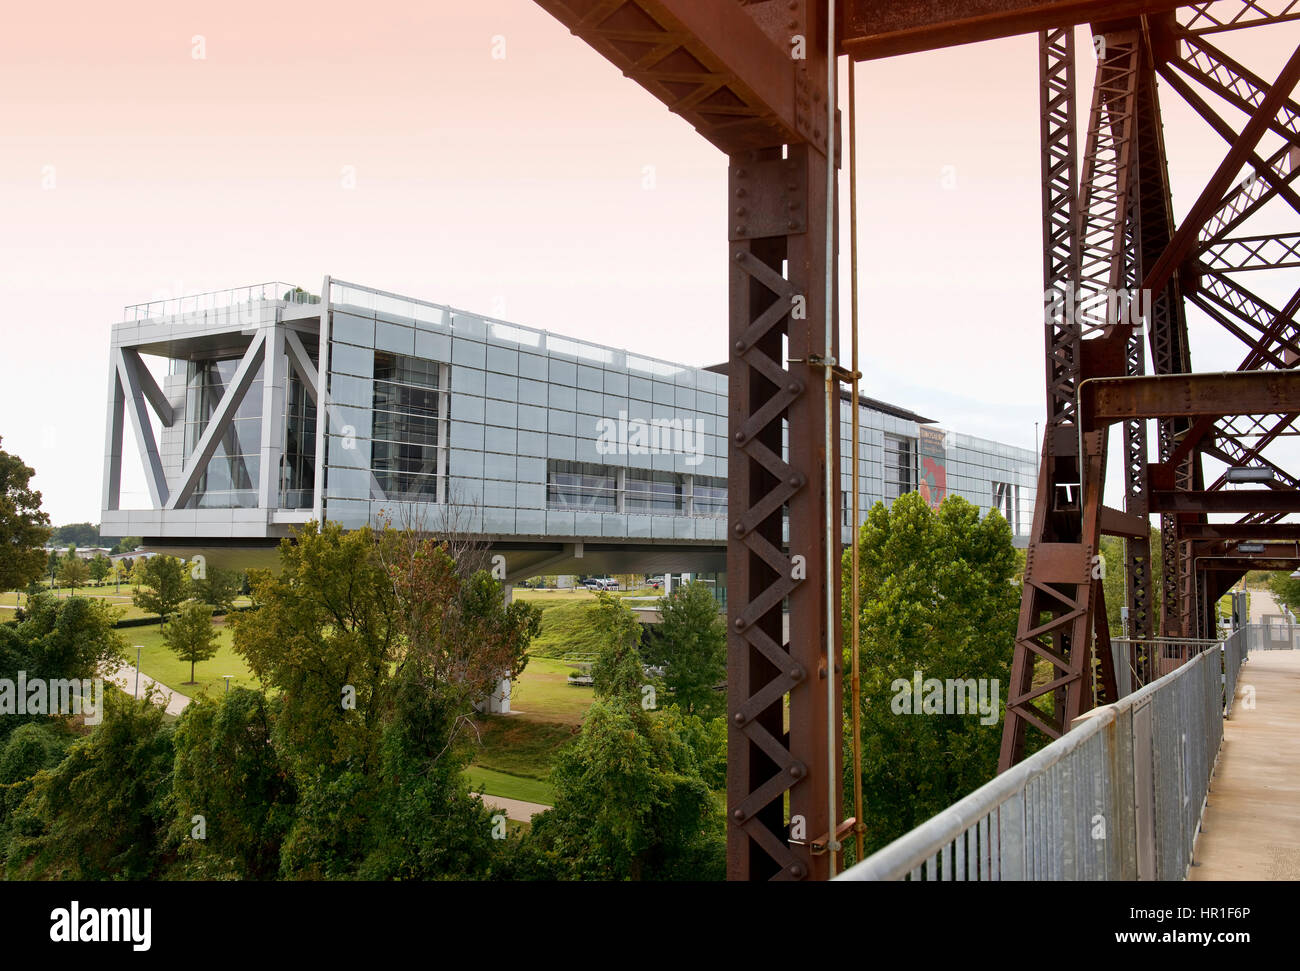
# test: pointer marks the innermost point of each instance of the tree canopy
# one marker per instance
(24, 527)
(938, 597)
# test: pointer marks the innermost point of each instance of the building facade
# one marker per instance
(281, 407)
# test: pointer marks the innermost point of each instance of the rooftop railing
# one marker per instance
(216, 301)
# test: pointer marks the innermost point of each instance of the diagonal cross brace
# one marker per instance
(220, 421)
(131, 374)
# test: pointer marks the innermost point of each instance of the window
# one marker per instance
(659, 492)
(230, 480)
(298, 464)
(409, 430)
(1005, 501)
(900, 466)
(581, 485)
(709, 496)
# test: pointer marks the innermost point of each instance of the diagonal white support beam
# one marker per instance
(157, 400)
(113, 437)
(301, 363)
(220, 422)
(136, 407)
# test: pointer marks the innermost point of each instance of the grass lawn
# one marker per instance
(543, 693)
(508, 786)
(516, 746)
(162, 665)
(121, 600)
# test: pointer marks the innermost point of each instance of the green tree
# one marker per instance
(228, 773)
(77, 534)
(102, 812)
(1115, 584)
(24, 528)
(100, 567)
(631, 798)
(57, 639)
(618, 671)
(691, 642)
(379, 648)
(52, 565)
(190, 635)
(937, 597)
(164, 581)
(128, 544)
(73, 572)
(138, 574)
(217, 587)
(1285, 590)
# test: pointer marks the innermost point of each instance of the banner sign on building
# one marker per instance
(934, 466)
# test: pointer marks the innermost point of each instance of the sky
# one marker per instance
(479, 155)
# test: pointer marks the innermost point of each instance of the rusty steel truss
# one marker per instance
(750, 76)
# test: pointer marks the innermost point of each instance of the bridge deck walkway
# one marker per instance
(1252, 822)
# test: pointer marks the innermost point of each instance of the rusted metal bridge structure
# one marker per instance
(1121, 273)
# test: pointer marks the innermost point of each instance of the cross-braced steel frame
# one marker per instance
(729, 68)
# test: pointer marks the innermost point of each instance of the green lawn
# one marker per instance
(121, 600)
(543, 693)
(508, 786)
(162, 665)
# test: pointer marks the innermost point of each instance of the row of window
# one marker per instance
(585, 485)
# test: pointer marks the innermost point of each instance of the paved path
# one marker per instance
(1252, 823)
(124, 677)
(515, 809)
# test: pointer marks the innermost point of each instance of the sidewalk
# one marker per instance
(124, 677)
(515, 809)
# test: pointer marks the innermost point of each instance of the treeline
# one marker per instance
(373, 650)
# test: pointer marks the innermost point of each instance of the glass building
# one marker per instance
(281, 407)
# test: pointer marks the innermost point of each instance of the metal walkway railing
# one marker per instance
(1118, 797)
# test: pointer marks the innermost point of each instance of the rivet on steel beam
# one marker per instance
(740, 257)
(740, 345)
(742, 229)
(740, 211)
(796, 772)
(740, 173)
(738, 718)
(740, 193)
(796, 672)
(791, 224)
(739, 624)
(738, 529)
(796, 871)
(738, 815)
(740, 438)
(793, 387)
(796, 480)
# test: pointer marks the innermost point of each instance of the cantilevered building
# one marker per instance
(279, 407)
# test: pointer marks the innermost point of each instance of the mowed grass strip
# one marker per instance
(126, 610)
(157, 661)
(515, 746)
(506, 786)
(543, 693)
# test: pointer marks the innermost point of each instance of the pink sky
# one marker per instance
(510, 186)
